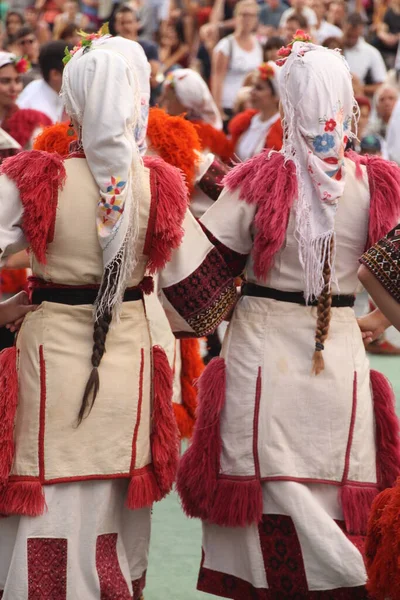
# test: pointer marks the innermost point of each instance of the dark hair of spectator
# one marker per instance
(15, 13)
(332, 43)
(68, 31)
(51, 57)
(355, 20)
(300, 19)
(274, 43)
(23, 32)
(123, 9)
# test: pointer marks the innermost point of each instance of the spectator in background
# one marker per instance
(90, 10)
(28, 45)
(70, 35)
(333, 43)
(292, 24)
(365, 113)
(43, 94)
(271, 48)
(37, 24)
(371, 144)
(173, 50)
(234, 57)
(337, 13)
(270, 16)
(388, 33)
(323, 30)
(125, 22)
(299, 7)
(70, 14)
(14, 21)
(50, 9)
(364, 60)
(385, 101)
(393, 134)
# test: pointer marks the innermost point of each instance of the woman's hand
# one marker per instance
(372, 326)
(13, 311)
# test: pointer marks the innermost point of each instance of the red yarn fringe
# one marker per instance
(21, 125)
(55, 138)
(143, 491)
(174, 139)
(172, 203)
(383, 546)
(199, 466)
(38, 177)
(8, 407)
(241, 122)
(192, 368)
(266, 171)
(387, 431)
(384, 186)
(237, 503)
(22, 498)
(164, 436)
(214, 140)
(356, 504)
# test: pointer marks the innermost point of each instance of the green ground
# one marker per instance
(176, 540)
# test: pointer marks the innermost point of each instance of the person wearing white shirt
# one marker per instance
(364, 60)
(43, 94)
(393, 134)
(323, 29)
(299, 7)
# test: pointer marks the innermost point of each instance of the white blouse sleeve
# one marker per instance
(12, 238)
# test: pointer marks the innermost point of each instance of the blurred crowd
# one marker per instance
(225, 41)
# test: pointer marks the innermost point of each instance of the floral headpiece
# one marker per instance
(22, 64)
(266, 71)
(285, 51)
(85, 42)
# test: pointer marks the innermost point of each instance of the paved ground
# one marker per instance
(176, 540)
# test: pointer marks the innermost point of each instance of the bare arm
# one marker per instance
(385, 302)
(174, 58)
(371, 88)
(20, 260)
(219, 69)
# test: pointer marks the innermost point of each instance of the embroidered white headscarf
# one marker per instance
(318, 104)
(7, 58)
(106, 91)
(192, 91)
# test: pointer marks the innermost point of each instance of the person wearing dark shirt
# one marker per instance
(270, 13)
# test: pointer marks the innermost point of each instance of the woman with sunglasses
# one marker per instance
(29, 47)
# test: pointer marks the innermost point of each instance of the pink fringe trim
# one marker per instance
(384, 186)
(143, 491)
(356, 504)
(172, 203)
(237, 503)
(38, 177)
(199, 466)
(164, 436)
(22, 498)
(270, 183)
(387, 431)
(8, 407)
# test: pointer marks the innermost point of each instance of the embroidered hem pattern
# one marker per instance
(383, 260)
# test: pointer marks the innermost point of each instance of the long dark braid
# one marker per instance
(323, 316)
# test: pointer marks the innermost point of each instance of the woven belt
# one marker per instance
(259, 291)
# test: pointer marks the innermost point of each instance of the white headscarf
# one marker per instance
(7, 58)
(106, 90)
(192, 91)
(318, 104)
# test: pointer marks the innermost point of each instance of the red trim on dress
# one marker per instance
(42, 414)
(100, 477)
(356, 501)
(139, 412)
(112, 581)
(8, 408)
(47, 568)
(256, 425)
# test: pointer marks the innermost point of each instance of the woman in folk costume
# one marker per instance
(88, 437)
(259, 127)
(291, 446)
(185, 91)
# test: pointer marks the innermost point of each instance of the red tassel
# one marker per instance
(266, 171)
(199, 466)
(23, 123)
(192, 368)
(237, 503)
(383, 546)
(387, 431)
(172, 202)
(356, 504)
(8, 407)
(164, 436)
(143, 491)
(22, 498)
(38, 177)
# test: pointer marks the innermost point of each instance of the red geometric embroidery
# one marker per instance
(138, 586)
(113, 585)
(282, 555)
(47, 568)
